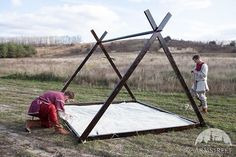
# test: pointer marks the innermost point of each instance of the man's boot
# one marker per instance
(204, 106)
(59, 129)
(32, 124)
(204, 110)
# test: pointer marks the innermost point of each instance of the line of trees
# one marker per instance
(42, 41)
(13, 50)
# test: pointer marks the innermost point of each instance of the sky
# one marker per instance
(197, 20)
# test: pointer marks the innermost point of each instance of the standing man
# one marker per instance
(200, 86)
(46, 108)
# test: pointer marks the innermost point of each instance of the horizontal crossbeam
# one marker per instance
(129, 36)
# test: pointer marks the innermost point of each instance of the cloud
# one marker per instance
(221, 32)
(60, 20)
(188, 4)
(16, 2)
(79, 18)
(201, 31)
(139, 1)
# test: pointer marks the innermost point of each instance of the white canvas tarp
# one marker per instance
(120, 118)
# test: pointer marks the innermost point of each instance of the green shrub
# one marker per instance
(30, 50)
(3, 50)
(12, 50)
(44, 76)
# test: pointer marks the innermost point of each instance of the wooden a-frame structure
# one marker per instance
(156, 34)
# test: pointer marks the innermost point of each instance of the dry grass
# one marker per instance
(154, 72)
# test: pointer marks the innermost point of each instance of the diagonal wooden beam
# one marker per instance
(118, 87)
(150, 19)
(112, 63)
(83, 62)
(172, 61)
(153, 23)
(180, 77)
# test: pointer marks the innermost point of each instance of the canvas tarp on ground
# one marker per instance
(121, 118)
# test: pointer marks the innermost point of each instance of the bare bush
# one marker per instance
(42, 40)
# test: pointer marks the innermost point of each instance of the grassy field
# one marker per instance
(16, 95)
(21, 80)
(153, 73)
